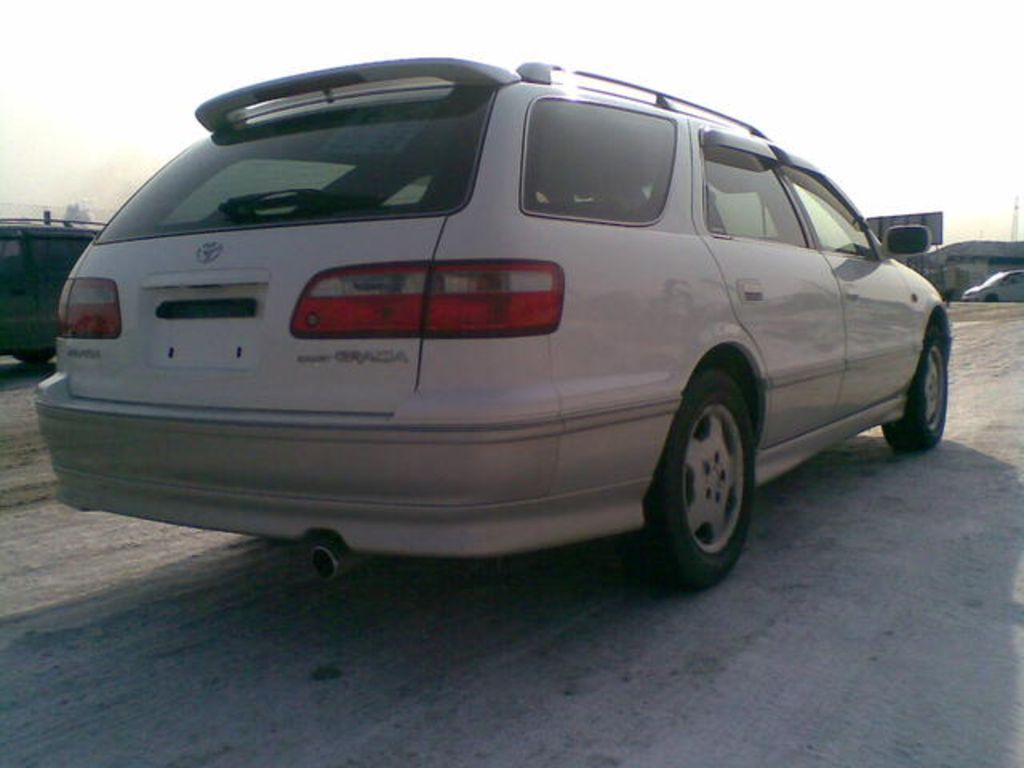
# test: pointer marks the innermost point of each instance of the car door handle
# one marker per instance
(750, 290)
(850, 294)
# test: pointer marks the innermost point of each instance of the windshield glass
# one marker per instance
(410, 154)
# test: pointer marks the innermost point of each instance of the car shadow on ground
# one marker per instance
(15, 374)
(876, 588)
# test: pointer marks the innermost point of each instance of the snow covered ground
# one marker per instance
(875, 619)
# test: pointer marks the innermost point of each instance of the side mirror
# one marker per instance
(907, 240)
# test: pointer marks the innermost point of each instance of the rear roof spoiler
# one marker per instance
(217, 112)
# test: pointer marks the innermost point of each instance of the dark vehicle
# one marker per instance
(36, 256)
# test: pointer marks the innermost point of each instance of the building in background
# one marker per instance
(954, 268)
(957, 267)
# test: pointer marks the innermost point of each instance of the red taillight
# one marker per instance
(500, 298)
(447, 300)
(366, 301)
(89, 309)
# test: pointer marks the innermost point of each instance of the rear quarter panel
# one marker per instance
(642, 305)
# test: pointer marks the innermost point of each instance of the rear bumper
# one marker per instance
(431, 490)
(472, 530)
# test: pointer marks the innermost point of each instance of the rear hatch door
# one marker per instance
(211, 257)
(218, 334)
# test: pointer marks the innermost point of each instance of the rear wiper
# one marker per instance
(290, 202)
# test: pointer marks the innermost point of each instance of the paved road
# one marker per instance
(875, 619)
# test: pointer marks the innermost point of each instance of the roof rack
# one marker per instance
(537, 72)
(51, 222)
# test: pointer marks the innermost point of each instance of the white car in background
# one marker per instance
(1002, 286)
(433, 307)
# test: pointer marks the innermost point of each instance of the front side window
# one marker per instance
(837, 227)
(406, 153)
(597, 163)
(744, 198)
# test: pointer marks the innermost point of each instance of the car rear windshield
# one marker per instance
(411, 153)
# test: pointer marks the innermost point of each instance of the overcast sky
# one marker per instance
(910, 107)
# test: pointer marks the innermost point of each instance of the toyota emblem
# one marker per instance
(208, 252)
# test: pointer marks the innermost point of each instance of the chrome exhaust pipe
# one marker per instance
(326, 555)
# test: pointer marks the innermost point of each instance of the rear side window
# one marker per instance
(597, 163)
(409, 153)
(55, 256)
(744, 198)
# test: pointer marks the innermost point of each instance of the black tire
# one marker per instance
(924, 419)
(992, 297)
(702, 473)
(35, 356)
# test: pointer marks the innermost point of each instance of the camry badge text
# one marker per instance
(87, 354)
(208, 252)
(358, 356)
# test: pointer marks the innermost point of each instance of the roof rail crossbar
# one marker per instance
(52, 222)
(536, 72)
(217, 113)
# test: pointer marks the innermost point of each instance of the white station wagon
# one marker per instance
(433, 307)
(1002, 286)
